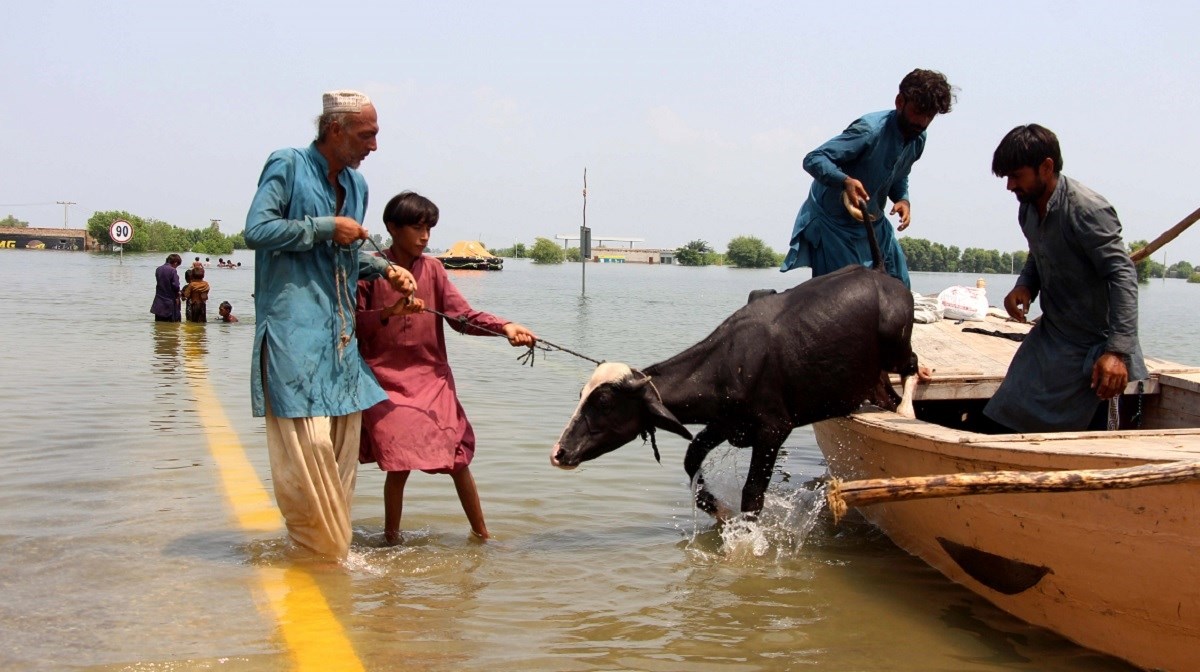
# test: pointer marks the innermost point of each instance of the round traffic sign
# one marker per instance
(120, 231)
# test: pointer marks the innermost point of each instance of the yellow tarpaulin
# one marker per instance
(467, 248)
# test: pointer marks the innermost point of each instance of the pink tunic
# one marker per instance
(421, 425)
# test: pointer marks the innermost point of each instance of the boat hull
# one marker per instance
(473, 263)
(1116, 570)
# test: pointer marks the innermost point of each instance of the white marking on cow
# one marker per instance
(906, 399)
(608, 372)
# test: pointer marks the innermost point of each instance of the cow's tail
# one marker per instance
(876, 253)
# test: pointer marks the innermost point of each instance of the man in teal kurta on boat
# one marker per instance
(307, 377)
(869, 161)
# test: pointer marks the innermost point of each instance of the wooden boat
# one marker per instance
(470, 254)
(1113, 570)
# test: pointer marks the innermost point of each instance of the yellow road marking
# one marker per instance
(314, 637)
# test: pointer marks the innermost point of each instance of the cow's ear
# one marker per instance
(659, 415)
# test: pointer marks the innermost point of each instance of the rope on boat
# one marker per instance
(525, 357)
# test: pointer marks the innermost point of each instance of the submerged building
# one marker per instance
(25, 238)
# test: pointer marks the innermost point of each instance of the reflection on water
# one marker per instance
(120, 550)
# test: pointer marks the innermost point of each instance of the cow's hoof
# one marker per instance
(706, 502)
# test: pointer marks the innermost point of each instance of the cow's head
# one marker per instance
(616, 405)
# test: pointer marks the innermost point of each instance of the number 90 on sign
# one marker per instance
(120, 231)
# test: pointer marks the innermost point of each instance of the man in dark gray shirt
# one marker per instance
(1084, 349)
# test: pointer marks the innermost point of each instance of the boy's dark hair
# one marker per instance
(224, 305)
(174, 259)
(928, 90)
(1027, 145)
(198, 273)
(409, 208)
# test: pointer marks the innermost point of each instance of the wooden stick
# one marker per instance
(1166, 237)
(841, 495)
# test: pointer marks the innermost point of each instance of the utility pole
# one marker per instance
(216, 223)
(585, 242)
(66, 205)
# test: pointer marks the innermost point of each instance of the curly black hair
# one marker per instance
(928, 90)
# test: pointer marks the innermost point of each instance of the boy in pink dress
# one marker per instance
(422, 425)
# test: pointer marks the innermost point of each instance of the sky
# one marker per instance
(691, 118)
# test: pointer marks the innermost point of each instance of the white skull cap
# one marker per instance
(344, 100)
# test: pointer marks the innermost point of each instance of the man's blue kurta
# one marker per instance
(873, 151)
(1086, 284)
(305, 290)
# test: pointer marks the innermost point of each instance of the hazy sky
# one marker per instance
(692, 118)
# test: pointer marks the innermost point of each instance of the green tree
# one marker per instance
(919, 253)
(210, 240)
(153, 235)
(1144, 267)
(98, 223)
(1194, 277)
(13, 222)
(517, 251)
(695, 253)
(573, 254)
(1180, 269)
(1019, 258)
(751, 252)
(546, 251)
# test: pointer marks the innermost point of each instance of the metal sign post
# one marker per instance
(121, 232)
(585, 241)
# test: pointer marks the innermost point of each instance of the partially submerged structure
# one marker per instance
(470, 254)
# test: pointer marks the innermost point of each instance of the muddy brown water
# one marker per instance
(119, 549)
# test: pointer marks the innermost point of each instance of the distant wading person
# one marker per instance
(166, 290)
(1084, 348)
(307, 378)
(869, 161)
(421, 425)
(196, 295)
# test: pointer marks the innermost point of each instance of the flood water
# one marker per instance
(121, 550)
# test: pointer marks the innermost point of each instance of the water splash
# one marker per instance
(790, 512)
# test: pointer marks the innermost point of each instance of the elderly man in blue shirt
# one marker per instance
(307, 377)
(869, 161)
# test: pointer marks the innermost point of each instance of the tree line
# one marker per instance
(153, 235)
(923, 256)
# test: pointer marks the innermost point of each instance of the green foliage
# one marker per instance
(153, 235)
(210, 240)
(1145, 266)
(695, 253)
(13, 222)
(546, 251)
(518, 250)
(1181, 269)
(923, 255)
(1194, 277)
(573, 254)
(751, 252)
(98, 223)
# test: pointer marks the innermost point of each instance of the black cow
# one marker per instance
(813, 352)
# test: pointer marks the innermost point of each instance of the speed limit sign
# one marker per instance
(120, 231)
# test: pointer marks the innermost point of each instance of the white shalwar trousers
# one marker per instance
(314, 465)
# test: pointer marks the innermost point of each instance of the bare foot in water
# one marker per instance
(392, 538)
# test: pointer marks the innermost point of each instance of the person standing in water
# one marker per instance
(166, 290)
(422, 424)
(306, 377)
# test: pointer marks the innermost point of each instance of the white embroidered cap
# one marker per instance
(344, 100)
